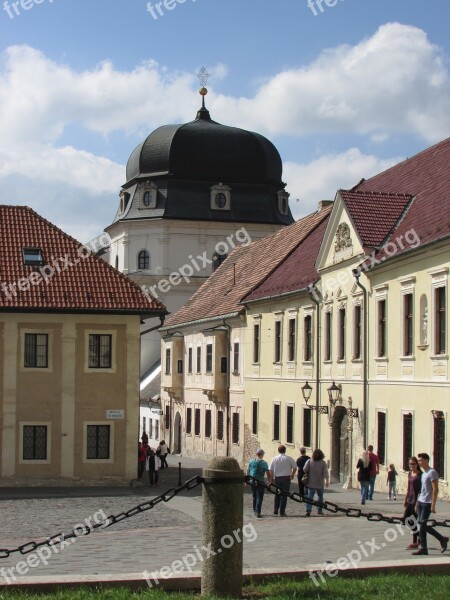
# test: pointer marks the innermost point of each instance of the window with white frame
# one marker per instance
(36, 350)
(34, 442)
(290, 424)
(100, 351)
(292, 342)
(98, 440)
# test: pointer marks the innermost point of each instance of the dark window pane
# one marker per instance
(220, 425)
(439, 444)
(440, 319)
(341, 354)
(209, 358)
(199, 359)
(236, 358)
(256, 343)
(189, 420)
(292, 341)
(35, 442)
(307, 427)
(276, 421)
(197, 421)
(208, 423)
(100, 351)
(255, 417)
(36, 350)
(308, 338)
(408, 325)
(327, 336)
(277, 356)
(407, 440)
(290, 424)
(167, 361)
(190, 360)
(167, 417)
(357, 332)
(98, 442)
(382, 328)
(235, 432)
(381, 437)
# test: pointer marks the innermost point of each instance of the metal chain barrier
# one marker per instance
(109, 521)
(190, 485)
(334, 508)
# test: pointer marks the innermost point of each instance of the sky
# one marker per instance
(343, 88)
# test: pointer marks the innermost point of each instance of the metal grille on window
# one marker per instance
(197, 421)
(36, 350)
(208, 426)
(407, 440)
(276, 422)
(98, 438)
(381, 447)
(189, 420)
(358, 332)
(308, 338)
(35, 442)
(220, 425)
(382, 328)
(235, 428)
(100, 351)
(439, 443)
(290, 424)
(292, 323)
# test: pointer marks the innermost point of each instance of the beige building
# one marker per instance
(374, 323)
(69, 358)
(204, 350)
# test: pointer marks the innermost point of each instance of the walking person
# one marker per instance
(374, 471)
(426, 504)
(412, 493)
(258, 469)
(282, 470)
(301, 462)
(162, 451)
(364, 466)
(152, 466)
(142, 456)
(318, 479)
(392, 482)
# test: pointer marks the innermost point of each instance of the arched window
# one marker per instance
(143, 260)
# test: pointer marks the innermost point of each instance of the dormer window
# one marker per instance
(220, 197)
(148, 194)
(124, 199)
(32, 257)
(283, 202)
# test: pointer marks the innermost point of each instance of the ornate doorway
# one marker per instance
(177, 435)
(339, 445)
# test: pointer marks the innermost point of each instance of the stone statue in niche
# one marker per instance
(425, 326)
(343, 239)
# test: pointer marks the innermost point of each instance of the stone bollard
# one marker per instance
(223, 500)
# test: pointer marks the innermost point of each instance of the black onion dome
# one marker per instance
(206, 150)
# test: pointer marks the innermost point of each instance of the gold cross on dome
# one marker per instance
(203, 76)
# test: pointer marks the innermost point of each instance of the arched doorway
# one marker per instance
(339, 445)
(177, 434)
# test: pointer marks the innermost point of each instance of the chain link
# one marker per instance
(334, 508)
(60, 538)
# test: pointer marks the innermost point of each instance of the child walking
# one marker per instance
(392, 482)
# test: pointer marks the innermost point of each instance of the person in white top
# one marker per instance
(282, 470)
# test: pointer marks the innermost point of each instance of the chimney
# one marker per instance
(323, 204)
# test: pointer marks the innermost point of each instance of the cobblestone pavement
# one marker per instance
(170, 531)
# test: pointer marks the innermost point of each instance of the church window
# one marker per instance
(143, 260)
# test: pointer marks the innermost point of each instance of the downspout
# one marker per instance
(357, 275)
(228, 327)
(313, 296)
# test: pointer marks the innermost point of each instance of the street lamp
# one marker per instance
(307, 391)
(334, 393)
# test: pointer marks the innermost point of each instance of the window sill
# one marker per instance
(279, 363)
(341, 361)
(236, 373)
(357, 360)
(381, 359)
(439, 357)
(411, 357)
(307, 362)
(329, 361)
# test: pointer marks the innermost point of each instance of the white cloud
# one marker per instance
(395, 82)
(321, 178)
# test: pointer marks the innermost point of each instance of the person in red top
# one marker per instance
(374, 472)
(142, 455)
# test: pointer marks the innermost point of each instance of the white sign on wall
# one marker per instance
(115, 414)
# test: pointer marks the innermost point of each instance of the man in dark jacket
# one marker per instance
(301, 462)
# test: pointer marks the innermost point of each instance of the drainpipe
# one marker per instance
(228, 327)
(313, 295)
(357, 275)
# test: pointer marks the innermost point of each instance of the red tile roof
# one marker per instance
(375, 214)
(298, 271)
(426, 177)
(84, 283)
(244, 269)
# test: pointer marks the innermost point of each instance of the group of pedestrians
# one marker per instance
(420, 498)
(152, 461)
(312, 474)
